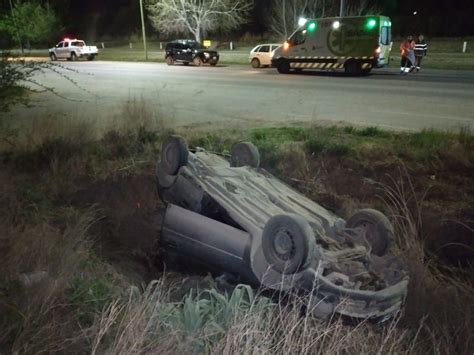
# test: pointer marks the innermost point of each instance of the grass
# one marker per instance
(92, 297)
(444, 53)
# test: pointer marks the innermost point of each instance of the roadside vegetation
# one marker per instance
(444, 53)
(79, 241)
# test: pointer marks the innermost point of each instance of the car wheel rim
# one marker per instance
(283, 245)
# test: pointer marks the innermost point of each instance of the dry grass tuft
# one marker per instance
(440, 298)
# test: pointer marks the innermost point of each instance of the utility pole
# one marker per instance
(143, 30)
(341, 11)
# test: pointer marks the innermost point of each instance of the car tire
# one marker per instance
(374, 228)
(53, 57)
(73, 57)
(169, 60)
(244, 154)
(163, 181)
(283, 66)
(174, 154)
(197, 61)
(255, 63)
(288, 243)
(213, 63)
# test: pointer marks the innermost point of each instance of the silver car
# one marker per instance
(235, 218)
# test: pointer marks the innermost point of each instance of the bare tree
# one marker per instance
(284, 15)
(197, 17)
(362, 7)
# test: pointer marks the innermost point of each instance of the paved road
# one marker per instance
(239, 96)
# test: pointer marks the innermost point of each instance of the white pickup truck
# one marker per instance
(71, 49)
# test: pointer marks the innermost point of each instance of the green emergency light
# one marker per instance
(312, 26)
(371, 23)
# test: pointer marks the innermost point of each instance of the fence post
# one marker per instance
(231, 45)
(131, 45)
(161, 46)
(103, 45)
(464, 47)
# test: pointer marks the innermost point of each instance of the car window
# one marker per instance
(196, 45)
(264, 49)
(275, 46)
(78, 43)
(256, 49)
(60, 45)
(66, 44)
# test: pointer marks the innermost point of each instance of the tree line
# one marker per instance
(40, 22)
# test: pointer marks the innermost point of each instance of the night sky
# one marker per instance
(435, 17)
(93, 19)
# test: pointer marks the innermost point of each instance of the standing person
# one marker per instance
(421, 49)
(411, 58)
(405, 53)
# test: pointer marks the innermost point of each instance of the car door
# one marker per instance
(59, 50)
(66, 50)
(178, 50)
(188, 52)
(254, 52)
(264, 55)
(297, 43)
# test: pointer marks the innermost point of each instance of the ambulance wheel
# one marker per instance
(288, 243)
(53, 57)
(283, 66)
(255, 63)
(244, 154)
(174, 154)
(374, 228)
(353, 67)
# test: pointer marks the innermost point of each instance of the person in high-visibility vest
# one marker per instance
(407, 54)
(421, 49)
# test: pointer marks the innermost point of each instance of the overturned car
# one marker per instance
(235, 218)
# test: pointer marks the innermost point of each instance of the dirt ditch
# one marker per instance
(128, 227)
(130, 210)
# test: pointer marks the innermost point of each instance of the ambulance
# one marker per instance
(353, 44)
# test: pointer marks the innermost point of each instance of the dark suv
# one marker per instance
(189, 51)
